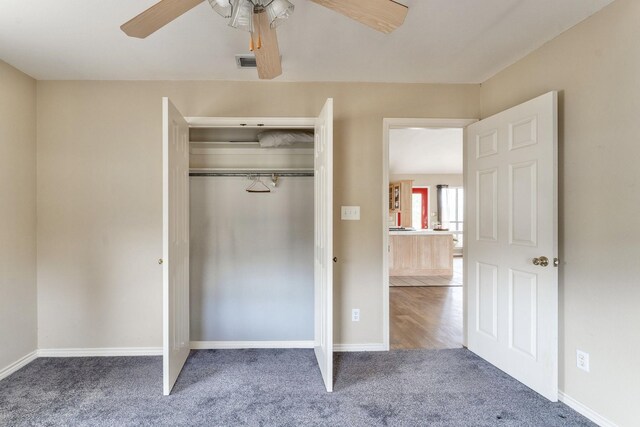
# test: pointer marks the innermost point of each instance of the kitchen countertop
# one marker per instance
(419, 233)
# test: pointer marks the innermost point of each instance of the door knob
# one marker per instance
(542, 261)
(335, 259)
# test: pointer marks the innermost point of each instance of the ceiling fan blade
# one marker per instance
(157, 16)
(267, 51)
(381, 15)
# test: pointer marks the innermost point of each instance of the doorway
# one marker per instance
(510, 290)
(423, 234)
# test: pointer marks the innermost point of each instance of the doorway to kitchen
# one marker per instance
(423, 233)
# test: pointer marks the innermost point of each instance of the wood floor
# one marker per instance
(425, 317)
(454, 280)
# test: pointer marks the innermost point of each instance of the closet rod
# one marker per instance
(251, 174)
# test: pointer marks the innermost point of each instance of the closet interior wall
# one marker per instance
(251, 254)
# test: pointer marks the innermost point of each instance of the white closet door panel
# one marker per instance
(175, 239)
(323, 254)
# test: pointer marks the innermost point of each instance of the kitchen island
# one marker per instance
(420, 253)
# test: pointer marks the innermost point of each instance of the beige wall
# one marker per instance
(99, 195)
(596, 68)
(17, 215)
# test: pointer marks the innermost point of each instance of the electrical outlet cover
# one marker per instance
(582, 360)
(350, 213)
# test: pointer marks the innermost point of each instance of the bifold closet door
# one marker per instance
(323, 265)
(175, 242)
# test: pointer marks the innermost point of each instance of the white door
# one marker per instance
(512, 295)
(175, 242)
(323, 267)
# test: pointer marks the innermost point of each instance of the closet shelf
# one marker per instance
(249, 150)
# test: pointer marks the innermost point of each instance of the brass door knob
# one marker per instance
(542, 261)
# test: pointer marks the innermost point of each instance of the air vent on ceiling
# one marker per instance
(246, 61)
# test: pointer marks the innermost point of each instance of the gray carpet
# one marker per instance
(277, 387)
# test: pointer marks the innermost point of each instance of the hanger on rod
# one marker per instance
(257, 186)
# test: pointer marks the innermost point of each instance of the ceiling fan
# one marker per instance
(261, 17)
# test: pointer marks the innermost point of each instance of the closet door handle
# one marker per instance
(335, 259)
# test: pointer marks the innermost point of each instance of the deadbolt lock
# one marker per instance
(542, 261)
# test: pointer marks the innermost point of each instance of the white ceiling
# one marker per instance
(441, 41)
(425, 151)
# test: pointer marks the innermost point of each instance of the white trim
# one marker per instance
(252, 122)
(18, 364)
(100, 352)
(399, 123)
(584, 411)
(360, 347)
(229, 345)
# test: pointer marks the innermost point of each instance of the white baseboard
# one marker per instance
(360, 347)
(23, 361)
(100, 352)
(229, 345)
(585, 411)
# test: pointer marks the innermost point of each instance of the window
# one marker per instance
(453, 214)
(419, 208)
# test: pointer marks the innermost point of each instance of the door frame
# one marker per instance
(401, 123)
(427, 190)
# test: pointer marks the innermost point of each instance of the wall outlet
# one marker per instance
(355, 315)
(582, 360)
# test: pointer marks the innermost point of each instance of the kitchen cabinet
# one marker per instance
(420, 254)
(394, 196)
(400, 194)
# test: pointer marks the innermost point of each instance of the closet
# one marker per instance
(247, 235)
(251, 237)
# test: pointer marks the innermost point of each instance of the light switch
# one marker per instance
(350, 213)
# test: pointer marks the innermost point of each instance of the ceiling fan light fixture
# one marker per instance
(240, 12)
(222, 7)
(278, 11)
(242, 15)
(382, 15)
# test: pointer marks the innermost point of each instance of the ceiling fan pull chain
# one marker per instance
(259, 34)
